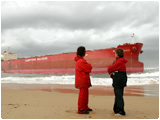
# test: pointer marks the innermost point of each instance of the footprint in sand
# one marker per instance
(71, 111)
(16, 105)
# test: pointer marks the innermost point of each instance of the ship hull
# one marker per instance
(64, 63)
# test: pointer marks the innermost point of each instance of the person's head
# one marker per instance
(81, 51)
(119, 53)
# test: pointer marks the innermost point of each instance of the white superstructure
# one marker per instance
(8, 56)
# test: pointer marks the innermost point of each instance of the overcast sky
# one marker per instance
(39, 28)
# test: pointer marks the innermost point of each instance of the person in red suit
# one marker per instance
(118, 73)
(82, 80)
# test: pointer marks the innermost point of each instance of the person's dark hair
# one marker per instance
(81, 51)
(119, 52)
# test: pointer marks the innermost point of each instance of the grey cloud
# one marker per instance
(81, 15)
(39, 28)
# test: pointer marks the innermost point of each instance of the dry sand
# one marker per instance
(32, 104)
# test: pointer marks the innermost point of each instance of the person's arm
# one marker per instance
(114, 67)
(84, 66)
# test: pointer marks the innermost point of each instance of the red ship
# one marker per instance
(64, 63)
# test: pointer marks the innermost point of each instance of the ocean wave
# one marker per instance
(152, 74)
(149, 76)
(71, 80)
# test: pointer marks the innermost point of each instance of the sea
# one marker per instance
(149, 76)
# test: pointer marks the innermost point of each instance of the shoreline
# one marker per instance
(100, 90)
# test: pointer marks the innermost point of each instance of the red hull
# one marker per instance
(64, 63)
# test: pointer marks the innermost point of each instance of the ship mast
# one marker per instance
(133, 38)
(8, 49)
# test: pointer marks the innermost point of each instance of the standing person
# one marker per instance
(118, 73)
(82, 80)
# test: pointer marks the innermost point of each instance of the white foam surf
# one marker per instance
(149, 76)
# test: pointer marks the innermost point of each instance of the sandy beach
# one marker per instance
(40, 104)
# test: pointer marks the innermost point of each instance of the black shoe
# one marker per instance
(116, 111)
(86, 112)
(120, 113)
(89, 109)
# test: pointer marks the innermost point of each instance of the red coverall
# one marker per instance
(82, 82)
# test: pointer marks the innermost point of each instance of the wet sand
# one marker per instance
(20, 101)
(139, 90)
